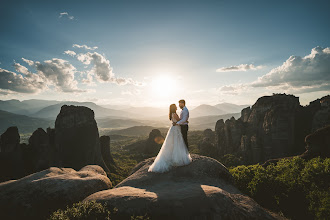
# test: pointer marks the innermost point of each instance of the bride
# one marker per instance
(173, 151)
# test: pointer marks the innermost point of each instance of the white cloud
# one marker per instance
(296, 75)
(66, 14)
(234, 89)
(11, 82)
(102, 69)
(59, 73)
(70, 52)
(21, 69)
(89, 79)
(55, 72)
(84, 46)
(300, 74)
(241, 67)
(29, 62)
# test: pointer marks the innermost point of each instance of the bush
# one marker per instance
(82, 211)
(87, 211)
(297, 188)
(230, 160)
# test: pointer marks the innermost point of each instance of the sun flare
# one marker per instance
(163, 86)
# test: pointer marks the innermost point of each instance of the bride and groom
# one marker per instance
(174, 151)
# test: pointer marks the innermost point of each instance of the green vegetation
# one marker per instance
(230, 160)
(88, 210)
(299, 189)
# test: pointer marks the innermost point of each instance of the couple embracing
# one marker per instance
(174, 151)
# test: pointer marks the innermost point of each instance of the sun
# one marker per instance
(163, 86)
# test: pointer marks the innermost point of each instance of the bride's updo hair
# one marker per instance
(172, 110)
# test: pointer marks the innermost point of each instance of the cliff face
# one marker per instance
(317, 145)
(74, 142)
(77, 138)
(275, 126)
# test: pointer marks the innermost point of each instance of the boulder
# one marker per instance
(37, 195)
(203, 189)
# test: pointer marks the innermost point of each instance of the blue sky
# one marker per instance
(156, 52)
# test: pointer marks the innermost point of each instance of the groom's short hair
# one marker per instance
(182, 101)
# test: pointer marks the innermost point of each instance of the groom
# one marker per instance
(184, 115)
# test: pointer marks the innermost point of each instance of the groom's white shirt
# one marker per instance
(184, 115)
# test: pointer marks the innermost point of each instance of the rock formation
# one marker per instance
(11, 155)
(206, 146)
(151, 146)
(40, 148)
(77, 138)
(107, 157)
(317, 144)
(74, 142)
(275, 126)
(202, 189)
(9, 140)
(38, 195)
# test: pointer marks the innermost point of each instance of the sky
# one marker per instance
(153, 53)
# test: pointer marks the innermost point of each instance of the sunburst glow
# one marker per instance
(163, 85)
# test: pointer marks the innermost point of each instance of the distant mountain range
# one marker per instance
(26, 107)
(28, 115)
(24, 123)
(100, 112)
(219, 109)
(50, 108)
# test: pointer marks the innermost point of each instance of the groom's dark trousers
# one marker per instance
(184, 131)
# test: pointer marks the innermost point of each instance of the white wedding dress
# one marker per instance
(173, 151)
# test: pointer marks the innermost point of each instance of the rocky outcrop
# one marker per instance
(155, 139)
(202, 189)
(107, 157)
(206, 146)
(9, 140)
(151, 146)
(41, 151)
(228, 135)
(36, 196)
(74, 142)
(77, 138)
(317, 144)
(275, 126)
(11, 155)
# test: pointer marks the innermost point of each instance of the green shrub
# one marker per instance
(230, 160)
(82, 211)
(90, 210)
(297, 188)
